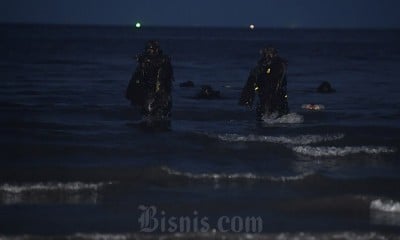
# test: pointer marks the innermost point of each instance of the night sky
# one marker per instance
(215, 13)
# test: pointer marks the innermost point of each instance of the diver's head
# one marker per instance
(268, 53)
(152, 47)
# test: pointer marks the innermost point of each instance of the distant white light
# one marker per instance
(252, 26)
(138, 25)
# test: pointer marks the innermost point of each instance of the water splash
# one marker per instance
(385, 205)
(296, 140)
(291, 118)
(331, 151)
(51, 186)
(235, 176)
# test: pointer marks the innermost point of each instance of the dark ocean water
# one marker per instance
(75, 163)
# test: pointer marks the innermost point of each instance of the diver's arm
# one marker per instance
(170, 75)
(281, 94)
(248, 92)
(281, 79)
(166, 76)
(135, 80)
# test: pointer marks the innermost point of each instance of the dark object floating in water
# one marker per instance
(187, 84)
(207, 92)
(325, 87)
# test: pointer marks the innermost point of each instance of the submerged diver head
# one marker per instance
(152, 47)
(268, 53)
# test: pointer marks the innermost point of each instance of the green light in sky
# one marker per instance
(138, 25)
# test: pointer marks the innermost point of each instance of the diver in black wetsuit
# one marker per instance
(151, 83)
(268, 80)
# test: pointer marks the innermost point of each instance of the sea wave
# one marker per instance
(296, 140)
(235, 176)
(51, 186)
(210, 235)
(291, 118)
(385, 205)
(331, 151)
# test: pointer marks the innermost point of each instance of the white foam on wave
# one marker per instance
(220, 235)
(51, 186)
(83, 236)
(103, 236)
(385, 205)
(235, 176)
(290, 118)
(331, 151)
(296, 140)
(211, 235)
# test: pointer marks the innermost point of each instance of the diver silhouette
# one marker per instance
(268, 81)
(151, 83)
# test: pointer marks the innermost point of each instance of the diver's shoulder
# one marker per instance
(157, 59)
(142, 57)
(281, 60)
(278, 62)
(165, 58)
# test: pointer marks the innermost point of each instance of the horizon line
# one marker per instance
(195, 26)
